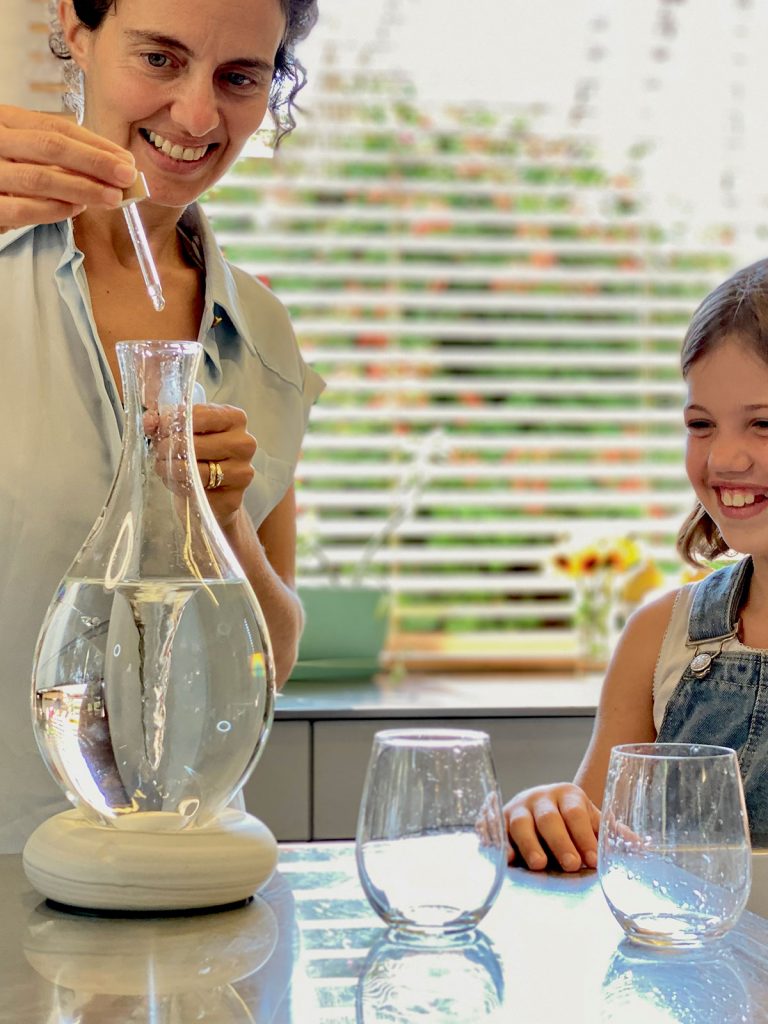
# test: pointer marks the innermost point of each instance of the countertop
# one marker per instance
(442, 696)
(310, 951)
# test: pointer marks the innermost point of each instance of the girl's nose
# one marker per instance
(194, 108)
(729, 455)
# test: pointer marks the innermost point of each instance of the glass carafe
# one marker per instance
(153, 680)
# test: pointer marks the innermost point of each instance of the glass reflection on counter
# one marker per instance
(409, 984)
(654, 987)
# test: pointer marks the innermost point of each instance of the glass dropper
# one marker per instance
(133, 196)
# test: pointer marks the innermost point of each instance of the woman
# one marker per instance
(173, 89)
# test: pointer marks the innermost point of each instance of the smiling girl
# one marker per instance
(692, 666)
(173, 89)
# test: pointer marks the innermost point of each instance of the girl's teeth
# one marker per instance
(737, 499)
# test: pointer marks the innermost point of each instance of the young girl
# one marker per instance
(693, 665)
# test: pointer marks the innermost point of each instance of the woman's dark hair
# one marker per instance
(289, 77)
(737, 307)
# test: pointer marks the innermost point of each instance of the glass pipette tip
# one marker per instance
(147, 266)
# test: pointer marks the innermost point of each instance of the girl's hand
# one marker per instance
(563, 816)
(222, 438)
(51, 168)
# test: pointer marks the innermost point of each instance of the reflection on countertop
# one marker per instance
(309, 950)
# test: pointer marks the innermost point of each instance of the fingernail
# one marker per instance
(537, 861)
(590, 858)
(112, 196)
(125, 173)
(571, 862)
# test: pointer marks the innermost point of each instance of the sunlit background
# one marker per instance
(491, 226)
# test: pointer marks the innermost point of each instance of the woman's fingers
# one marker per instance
(37, 181)
(220, 436)
(17, 213)
(51, 168)
(25, 147)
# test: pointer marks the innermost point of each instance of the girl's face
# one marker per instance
(180, 84)
(727, 449)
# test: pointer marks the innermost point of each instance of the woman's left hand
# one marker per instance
(222, 440)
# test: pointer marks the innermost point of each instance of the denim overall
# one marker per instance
(722, 697)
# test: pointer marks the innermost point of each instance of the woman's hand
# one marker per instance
(563, 816)
(51, 169)
(222, 439)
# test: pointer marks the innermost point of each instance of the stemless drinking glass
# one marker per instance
(674, 852)
(431, 849)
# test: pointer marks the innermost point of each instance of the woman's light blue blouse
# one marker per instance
(60, 423)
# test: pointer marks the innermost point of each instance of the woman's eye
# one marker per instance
(241, 82)
(156, 60)
(761, 424)
(698, 425)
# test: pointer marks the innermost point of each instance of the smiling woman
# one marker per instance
(173, 90)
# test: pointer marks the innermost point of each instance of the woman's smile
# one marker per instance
(176, 157)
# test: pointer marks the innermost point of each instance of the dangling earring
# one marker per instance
(74, 90)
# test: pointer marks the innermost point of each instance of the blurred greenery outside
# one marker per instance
(392, 348)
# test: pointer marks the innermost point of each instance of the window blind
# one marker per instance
(471, 286)
(499, 323)
(39, 69)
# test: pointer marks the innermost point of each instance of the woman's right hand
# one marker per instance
(51, 168)
(563, 816)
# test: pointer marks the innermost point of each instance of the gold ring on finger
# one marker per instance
(215, 476)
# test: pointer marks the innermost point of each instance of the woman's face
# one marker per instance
(182, 85)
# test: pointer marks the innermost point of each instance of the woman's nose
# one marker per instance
(194, 108)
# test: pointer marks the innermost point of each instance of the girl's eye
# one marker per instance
(696, 426)
(761, 424)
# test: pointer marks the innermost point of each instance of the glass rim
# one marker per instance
(672, 751)
(431, 735)
(158, 345)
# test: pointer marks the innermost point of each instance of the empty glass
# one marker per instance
(674, 851)
(431, 850)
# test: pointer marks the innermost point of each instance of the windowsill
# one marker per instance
(443, 696)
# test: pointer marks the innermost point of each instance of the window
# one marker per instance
(498, 315)
(475, 288)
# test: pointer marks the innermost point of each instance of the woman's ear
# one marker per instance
(76, 34)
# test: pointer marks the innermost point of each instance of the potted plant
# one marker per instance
(348, 614)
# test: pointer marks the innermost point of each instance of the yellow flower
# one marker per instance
(624, 554)
(644, 579)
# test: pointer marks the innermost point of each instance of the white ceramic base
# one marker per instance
(69, 860)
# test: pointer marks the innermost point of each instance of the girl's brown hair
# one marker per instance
(738, 306)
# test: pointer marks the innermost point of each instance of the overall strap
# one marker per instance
(716, 603)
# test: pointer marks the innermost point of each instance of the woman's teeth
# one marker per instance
(174, 151)
(737, 499)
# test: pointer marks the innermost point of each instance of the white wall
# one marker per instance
(14, 52)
